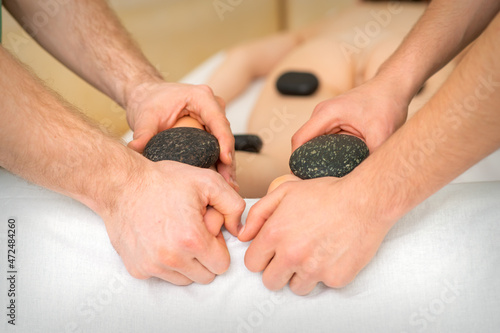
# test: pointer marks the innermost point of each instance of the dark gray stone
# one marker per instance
(188, 145)
(297, 83)
(332, 155)
(247, 142)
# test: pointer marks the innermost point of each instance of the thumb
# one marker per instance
(139, 142)
(314, 127)
(213, 221)
(143, 132)
(375, 139)
(227, 202)
(280, 180)
(260, 213)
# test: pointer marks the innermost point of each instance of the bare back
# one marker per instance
(346, 52)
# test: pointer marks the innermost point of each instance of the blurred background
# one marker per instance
(175, 35)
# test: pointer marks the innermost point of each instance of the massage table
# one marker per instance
(436, 271)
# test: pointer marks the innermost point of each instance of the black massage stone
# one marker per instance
(188, 145)
(297, 84)
(247, 142)
(332, 155)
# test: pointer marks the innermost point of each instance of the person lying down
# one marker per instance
(330, 52)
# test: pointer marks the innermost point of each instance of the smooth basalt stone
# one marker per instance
(188, 145)
(247, 142)
(297, 83)
(332, 155)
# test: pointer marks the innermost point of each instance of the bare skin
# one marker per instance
(349, 217)
(444, 30)
(454, 130)
(321, 50)
(164, 218)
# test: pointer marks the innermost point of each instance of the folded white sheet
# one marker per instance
(437, 271)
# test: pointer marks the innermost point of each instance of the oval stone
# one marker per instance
(332, 155)
(247, 142)
(297, 83)
(187, 145)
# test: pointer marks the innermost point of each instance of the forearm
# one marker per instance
(445, 28)
(458, 127)
(51, 144)
(89, 39)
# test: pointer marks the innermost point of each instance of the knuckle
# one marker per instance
(295, 140)
(239, 206)
(155, 270)
(298, 290)
(295, 256)
(310, 267)
(223, 265)
(149, 268)
(220, 264)
(166, 258)
(287, 186)
(207, 280)
(190, 242)
(230, 138)
(271, 235)
(302, 279)
(221, 102)
(251, 262)
(172, 261)
(303, 287)
(320, 108)
(272, 284)
(204, 181)
(211, 177)
(135, 273)
(206, 89)
(211, 183)
(337, 280)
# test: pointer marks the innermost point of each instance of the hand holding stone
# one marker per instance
(157, 106)
(371, 111)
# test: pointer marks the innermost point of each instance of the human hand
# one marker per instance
(167, 223)
(370, 111)
(310, 231)
(154, 107)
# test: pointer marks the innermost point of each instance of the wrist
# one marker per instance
(136, 92)
(120, 173)
(134, 89)
(381, 197)
(402, 84)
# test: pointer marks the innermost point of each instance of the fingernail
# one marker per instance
(234, 182)
(230, 158)
(241, 229)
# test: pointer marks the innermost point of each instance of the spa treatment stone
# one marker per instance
(247, 142)
(188, 145)
(328, 155)
(297, 83)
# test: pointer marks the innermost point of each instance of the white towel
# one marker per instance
(436, 271)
